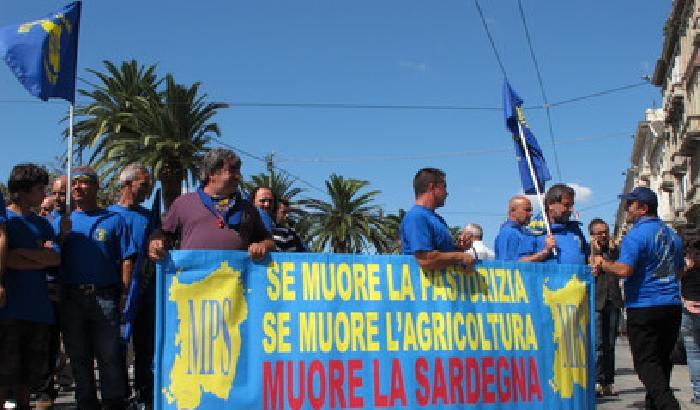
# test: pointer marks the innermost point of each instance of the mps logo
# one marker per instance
(100, 234)
(52, 54)
(210, 313)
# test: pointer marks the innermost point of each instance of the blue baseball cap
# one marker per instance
(643, 195)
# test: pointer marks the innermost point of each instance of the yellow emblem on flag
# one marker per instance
(100, 234)
(52, 55)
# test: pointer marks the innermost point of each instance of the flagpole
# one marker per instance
(69, 160)
(535, 181)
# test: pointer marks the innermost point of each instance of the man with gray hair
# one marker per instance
(472, 235)
(134, 187)
(217, 216)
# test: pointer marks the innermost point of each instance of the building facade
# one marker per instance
(666, 152)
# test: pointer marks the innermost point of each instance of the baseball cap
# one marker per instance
(643, 195)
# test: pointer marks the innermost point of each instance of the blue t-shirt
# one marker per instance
(509, 239)
(424, 230)
(655, 254)
(27, 290)
(266, 220)
(94, 249)
(572, 248)
(137, 220)
(55, 213)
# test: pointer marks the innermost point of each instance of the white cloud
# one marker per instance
(413, 65)
(583, 193)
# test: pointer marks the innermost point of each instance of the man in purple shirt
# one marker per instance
(216, 216)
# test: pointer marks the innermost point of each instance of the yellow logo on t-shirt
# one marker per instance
(100, 234)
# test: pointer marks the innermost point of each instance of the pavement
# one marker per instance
(627, 384)
(630, 389)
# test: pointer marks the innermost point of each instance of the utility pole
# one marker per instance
(269, 160)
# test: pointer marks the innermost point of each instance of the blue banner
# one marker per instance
(322, 331)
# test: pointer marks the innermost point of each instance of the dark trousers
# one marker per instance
(91, 326)
(144, 340)
(652, 333)
(48, 385)
(607, 321)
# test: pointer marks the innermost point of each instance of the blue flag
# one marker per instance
(43, 53)
(139, 279)
(513, 112)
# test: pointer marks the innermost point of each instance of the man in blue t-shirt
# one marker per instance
(567, 238)
(651, 257)
(58, 192)
(424, 234)
(135, 187)
(513, 233)
(96, 252)
(28, 313)
(264, 201)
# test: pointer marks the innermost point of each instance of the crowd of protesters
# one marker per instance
(650, 258)
(66, 273)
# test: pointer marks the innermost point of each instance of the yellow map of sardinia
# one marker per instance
(570, 314)
(209, 313)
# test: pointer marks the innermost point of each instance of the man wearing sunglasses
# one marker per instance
(95, 274)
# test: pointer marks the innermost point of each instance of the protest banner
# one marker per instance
(332, 331)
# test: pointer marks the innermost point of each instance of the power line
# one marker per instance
(488, 34)
(598, 205)
(265, 161)
(366, 106)
(600, 93)
(541, 83)
(440, 155)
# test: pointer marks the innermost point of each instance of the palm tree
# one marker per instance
(349, 223)
(175, 134)
(393, 226)
(130, 120)
(114, 103)
(281, 184)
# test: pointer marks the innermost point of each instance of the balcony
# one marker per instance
(679, 164)
(689, 139)
(668, 181)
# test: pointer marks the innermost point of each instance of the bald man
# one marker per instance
(513, 232)
(58, 192)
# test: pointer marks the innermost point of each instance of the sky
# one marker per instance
(380, 53)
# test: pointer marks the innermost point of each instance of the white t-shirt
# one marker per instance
(480, 251)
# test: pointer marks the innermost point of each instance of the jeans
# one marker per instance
(652, 333)
(607, 321)
(90, 324)
(690, 331)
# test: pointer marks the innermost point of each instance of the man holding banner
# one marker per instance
(424, 234)
(570, 243)
(216, 216)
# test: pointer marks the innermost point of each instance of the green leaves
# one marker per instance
(134, 116)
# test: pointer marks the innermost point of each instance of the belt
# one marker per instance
(89, 287)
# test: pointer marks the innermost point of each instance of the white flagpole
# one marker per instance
(69, 160)
(534, 181)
